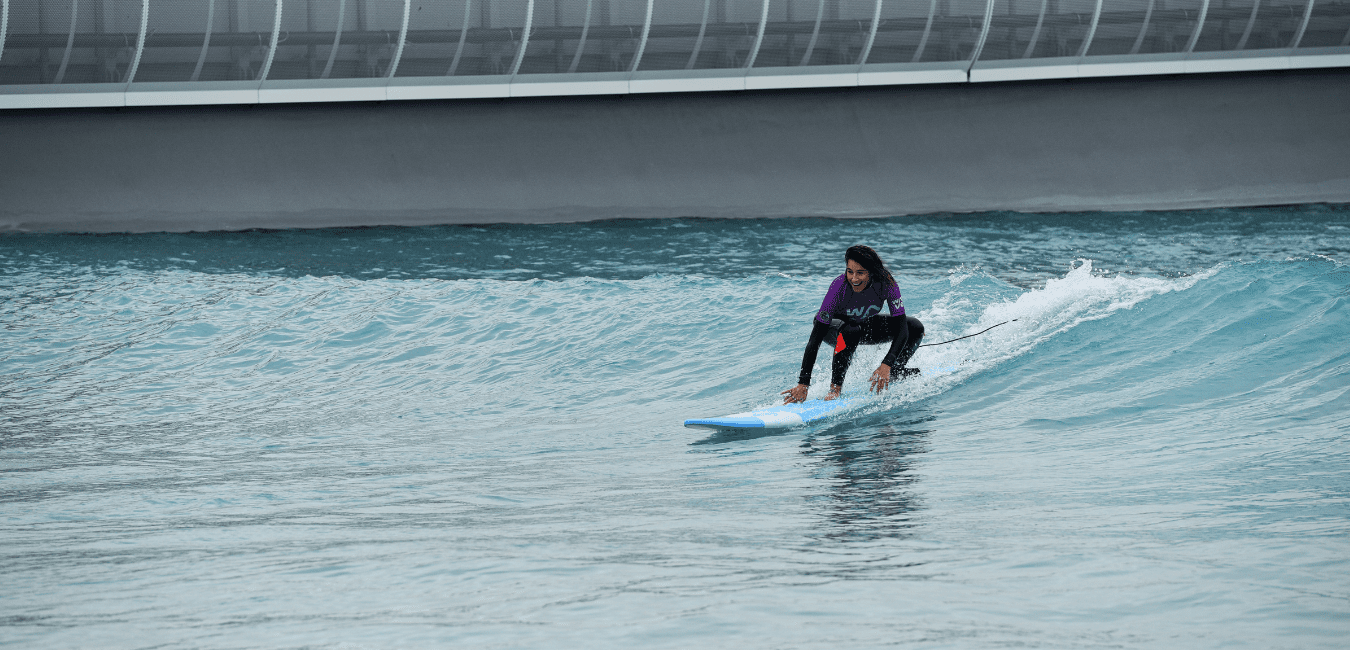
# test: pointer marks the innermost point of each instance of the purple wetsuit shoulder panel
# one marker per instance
(833, 299)
(893, 299)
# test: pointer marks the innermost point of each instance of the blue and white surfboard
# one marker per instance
(783, 416)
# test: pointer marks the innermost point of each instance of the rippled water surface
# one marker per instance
(471, 436)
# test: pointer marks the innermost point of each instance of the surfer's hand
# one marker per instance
(795, 394)
(881, 379)
(835, 389)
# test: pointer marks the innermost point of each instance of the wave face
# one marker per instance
(419, 437)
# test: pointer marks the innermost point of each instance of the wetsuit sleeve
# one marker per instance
(894, 301)
(818, 332)
(898, 325)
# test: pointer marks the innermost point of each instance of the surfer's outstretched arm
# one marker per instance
(798, 393)
(907, 332)
(881, 377)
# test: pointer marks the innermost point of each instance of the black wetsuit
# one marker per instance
(852, 319)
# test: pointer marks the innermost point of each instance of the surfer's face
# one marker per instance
(857, 276)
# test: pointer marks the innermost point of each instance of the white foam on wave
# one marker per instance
(1028, 320)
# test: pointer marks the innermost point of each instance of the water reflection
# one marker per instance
(871, 473)
(723, 436)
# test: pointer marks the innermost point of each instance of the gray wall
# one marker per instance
(1114, 144)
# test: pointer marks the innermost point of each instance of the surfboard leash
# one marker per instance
(929, 345)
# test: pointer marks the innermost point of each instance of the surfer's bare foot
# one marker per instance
(834, 392)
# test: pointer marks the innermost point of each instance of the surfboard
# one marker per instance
(782, 416)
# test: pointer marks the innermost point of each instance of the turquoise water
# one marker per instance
(459, 436)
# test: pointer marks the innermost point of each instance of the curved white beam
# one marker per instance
(271, 51)
(1143, 29)
(984, 34)
(581, 43)
(337, 39)
(927, 29)
(70, 42)
(698, 42)
(524, 37)
(1199, 25)
(815, 34)
(759, 33)
(140, 41)
(646, 30)
(1303, 26)
(1092, 30)
(871, 34)
(206, 41)
(402, 40)
(1036, 33)
(463, 33)
(4, 25)
(1251, 21)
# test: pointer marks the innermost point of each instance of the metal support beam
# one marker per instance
(140, 41)
(463, 33)
(272, 50)
(698, 42)
(70, 42)
(1036, 33)
(337, 39)
(927, 30)
(1199, 25)
(984, 34)
(402, 40)
(1092, 30)
(871, 34)
(1303, 26)
(815, 33)
(1143, 29)
(4, 25)
(524, 37)
(1251, 21)
(206, 41)
(646, 30)
(759, 33)
(581, 43)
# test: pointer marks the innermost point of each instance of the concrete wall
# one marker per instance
(1111, 144)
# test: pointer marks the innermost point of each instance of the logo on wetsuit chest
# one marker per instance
(864, 312)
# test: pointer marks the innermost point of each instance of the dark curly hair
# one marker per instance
(868, 258)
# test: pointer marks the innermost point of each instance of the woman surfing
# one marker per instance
(851, 316)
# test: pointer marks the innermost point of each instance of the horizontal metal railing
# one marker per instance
(88, 52)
